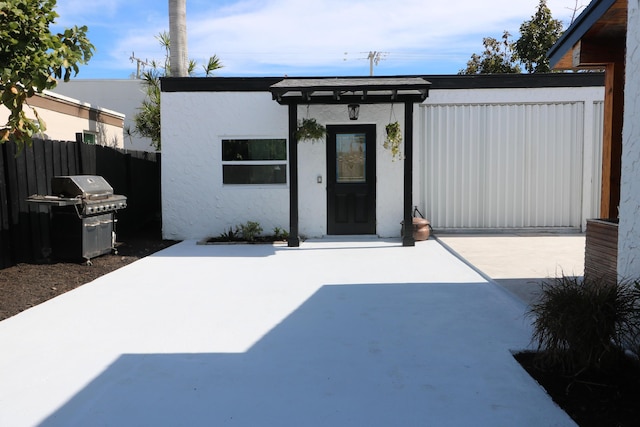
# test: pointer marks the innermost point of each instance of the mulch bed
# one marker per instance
(592, 399)
(26, 285)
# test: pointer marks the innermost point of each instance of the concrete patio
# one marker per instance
(336, 332)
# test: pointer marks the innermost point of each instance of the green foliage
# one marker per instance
(498, 57)
(250, 230)
(229, 236)
(147, 120)
(32, 59)
(536, 38)
(280, 234)
(393, 140)
(310, 129)
(582, 326)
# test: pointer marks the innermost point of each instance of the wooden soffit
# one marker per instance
(596, 38)
(345, 90)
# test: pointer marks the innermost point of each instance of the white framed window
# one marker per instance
(89, 137)
(254, 161)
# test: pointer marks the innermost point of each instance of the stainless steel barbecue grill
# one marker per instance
(83, 211)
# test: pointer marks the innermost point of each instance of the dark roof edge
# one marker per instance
(476, 81)
(578, 29)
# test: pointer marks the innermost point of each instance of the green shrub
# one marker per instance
(280, 234)
(229, 236)
(250, 230)
(583, 326)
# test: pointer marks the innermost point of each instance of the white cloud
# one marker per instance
(304, 34)
(283, 36)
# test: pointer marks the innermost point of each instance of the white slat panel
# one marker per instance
(502, 165)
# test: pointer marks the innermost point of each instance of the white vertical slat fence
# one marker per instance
(502, 166)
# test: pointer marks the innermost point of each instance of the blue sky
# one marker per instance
(303, 38)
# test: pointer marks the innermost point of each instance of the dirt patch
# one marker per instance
(26, 285)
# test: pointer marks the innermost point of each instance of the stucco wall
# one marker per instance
(312, 163)
(197, 205)
(629, 229)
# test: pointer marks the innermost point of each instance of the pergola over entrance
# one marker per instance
(351, 90)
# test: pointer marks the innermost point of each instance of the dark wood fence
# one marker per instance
(24, 227)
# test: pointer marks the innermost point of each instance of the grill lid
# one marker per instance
(85, 186)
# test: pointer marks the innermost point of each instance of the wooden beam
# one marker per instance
(612, 140)
(596, 54)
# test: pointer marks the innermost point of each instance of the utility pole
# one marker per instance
(139, 63)
(374, 58)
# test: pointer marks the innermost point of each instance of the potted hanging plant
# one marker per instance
(310, 129)
(393, 140)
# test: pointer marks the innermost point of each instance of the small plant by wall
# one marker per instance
(249, 232)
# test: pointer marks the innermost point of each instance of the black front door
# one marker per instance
(351, 179)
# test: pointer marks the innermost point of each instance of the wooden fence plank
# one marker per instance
(6, 256)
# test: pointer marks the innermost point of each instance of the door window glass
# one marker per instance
(350, 157)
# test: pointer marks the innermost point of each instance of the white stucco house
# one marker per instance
(479, 152)
(67, 119)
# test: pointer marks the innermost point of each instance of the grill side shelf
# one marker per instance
(54, 200)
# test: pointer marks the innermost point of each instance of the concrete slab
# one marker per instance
(331, 333)
(521, 262)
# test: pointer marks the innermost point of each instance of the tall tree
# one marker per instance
(33, 59)
(178, 35)
(498, 57)
(536, 38)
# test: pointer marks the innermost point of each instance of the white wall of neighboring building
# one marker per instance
(629, 227)
(64, 117)
(125, 96)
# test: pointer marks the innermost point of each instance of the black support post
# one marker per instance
(294, 239)
(407, 239)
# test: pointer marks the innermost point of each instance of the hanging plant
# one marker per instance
(393, 140)
(310, 129)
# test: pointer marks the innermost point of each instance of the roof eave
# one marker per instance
(577, 30)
